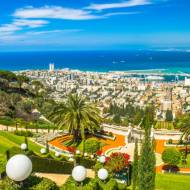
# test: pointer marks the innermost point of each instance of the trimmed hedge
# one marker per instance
(87, 185)
(93, 184)
(86, 162)
(24, 133)
(45, 164)
(49, 165)
(32, 183)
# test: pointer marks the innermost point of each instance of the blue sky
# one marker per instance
(29, 25)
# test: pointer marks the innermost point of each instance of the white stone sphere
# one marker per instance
(78, 152)
(85, 154)
(71, 159)
(102, 159)
(23, 146)
(43, 151)
(57, 154)
(92, 156)
(79, 173)
(19, 167)
(103, 174)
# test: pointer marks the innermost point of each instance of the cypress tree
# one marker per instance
(135, 167)
(147, 163)
(147, 159)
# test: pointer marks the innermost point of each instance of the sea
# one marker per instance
(176, 62)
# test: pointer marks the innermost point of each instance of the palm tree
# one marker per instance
(183, 123)
(77, 115)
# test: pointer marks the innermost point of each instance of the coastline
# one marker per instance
(161, 72)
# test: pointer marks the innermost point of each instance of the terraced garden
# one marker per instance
(9, 140)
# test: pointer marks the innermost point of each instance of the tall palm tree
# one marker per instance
(183, 123)
(77, 115)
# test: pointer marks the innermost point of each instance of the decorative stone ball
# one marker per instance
(43, 151)
(57, 154)
(19, 167)
(79, 173)
(71, 159)
(103, 174)
(77, 151)
(85, 154)
(23, 146)
(92, 156)
(102, 159)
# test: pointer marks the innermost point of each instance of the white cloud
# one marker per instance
(29, 23)
(19, 24)
(54, 12)
(64, 31)
(9, 28)
(120, 13)
(122, 4)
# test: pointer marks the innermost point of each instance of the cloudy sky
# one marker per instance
(93, 24)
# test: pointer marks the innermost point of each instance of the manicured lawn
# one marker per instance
(9, 140)
(172, 182)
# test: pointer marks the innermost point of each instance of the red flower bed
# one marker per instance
(71, 149)
(99, 152)
(117, 162)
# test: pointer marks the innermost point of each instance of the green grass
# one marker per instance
(172, 182)
(9, 140)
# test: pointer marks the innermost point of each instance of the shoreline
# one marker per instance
(158, 72)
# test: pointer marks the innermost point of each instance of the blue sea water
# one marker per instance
(102, 61)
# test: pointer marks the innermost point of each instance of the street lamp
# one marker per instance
(85, 154)
(19, 167)
(23, 146)
(102, 174)
(79, 173)
(102, 159)
(43, 151)
(57, 154)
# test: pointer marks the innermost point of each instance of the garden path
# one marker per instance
(60, 179)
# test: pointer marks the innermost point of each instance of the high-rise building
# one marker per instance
(51, 67)
(187, 81)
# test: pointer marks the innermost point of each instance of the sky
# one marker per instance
(45, 25)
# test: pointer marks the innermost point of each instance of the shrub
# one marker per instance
(7, 121)
(24, 133)
(86, 162)
(170, 141)
(92, 145)
(32, 183)
(111, 185)
(2, 164)
(45, 184)
(87, 185)
(8, 184)
(117, 162)
(171, 156)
